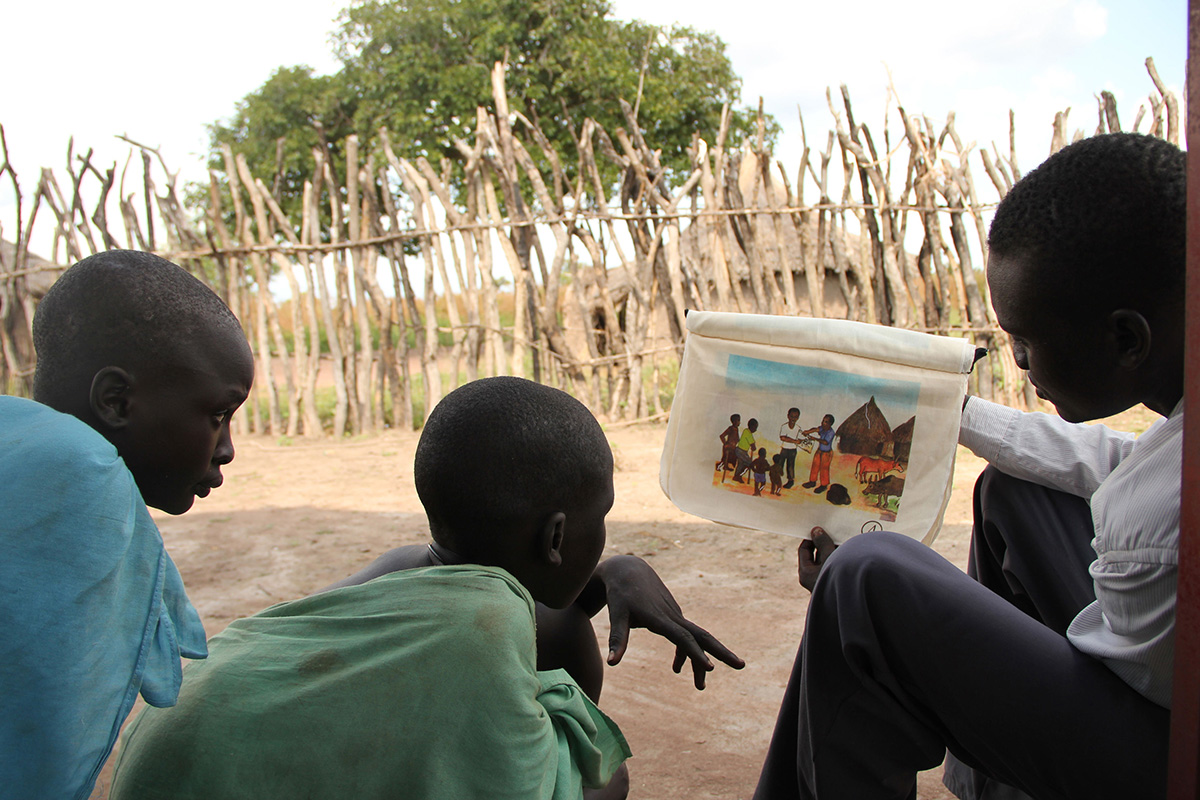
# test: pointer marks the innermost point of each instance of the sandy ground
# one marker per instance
(291, 519)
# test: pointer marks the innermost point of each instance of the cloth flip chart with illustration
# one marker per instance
(783, 423)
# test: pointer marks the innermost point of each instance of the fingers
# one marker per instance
(811, 555)
(714, 647)
(618, 635)
(806, 558)
(806, 552)
(686, 643)
(699, 672)
(700, 666)
(823, 542)
(704, 642)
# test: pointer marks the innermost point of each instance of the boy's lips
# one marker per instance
(207, 485)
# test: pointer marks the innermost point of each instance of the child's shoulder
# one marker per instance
(47, 454)
(458, 615)
(34, 436)
(465, 595)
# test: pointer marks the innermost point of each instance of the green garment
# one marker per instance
(419, 684)
(747, 440)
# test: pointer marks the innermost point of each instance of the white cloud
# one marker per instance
(1091, 19)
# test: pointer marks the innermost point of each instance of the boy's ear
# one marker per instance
(109, 397)
(550, 538)
(1131, 335)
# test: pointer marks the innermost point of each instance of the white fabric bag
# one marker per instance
(886, 461)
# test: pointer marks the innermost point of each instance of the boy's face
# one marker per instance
(583, 543)
(1070, 359)
(177, 437)
(793, 416)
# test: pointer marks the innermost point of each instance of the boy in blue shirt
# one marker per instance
(140, 367)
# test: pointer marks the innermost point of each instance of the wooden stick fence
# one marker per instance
(594, 288)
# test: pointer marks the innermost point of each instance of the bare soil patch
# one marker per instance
(292, 519)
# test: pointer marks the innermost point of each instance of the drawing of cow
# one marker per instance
(873, 469)
(891, 486)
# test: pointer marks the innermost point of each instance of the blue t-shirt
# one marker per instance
(92, 609)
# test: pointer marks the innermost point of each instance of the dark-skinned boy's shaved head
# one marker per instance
(118, 308)
(1105, 214)
(503, 451)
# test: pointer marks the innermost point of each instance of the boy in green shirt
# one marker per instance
(424, 682)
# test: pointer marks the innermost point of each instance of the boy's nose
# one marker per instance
(224, 452)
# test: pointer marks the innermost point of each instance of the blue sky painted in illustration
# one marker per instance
(768, 388)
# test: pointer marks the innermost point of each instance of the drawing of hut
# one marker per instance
(902, 437)
(866, 432)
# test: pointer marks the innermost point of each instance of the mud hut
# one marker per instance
(902, 438)
(866, 432)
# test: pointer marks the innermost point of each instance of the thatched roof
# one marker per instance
(903, 436)
(866, 432)
(38, 282)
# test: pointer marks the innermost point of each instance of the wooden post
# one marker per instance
(1183, 779)
(333, 332)
(356, 297)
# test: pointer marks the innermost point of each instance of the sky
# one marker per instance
(160, 71)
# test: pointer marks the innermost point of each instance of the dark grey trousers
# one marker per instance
(904, 657)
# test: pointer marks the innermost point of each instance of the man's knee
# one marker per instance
(869, 560)
(994, 487)
(1002, 500)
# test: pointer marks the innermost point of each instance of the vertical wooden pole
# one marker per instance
(1184, 765)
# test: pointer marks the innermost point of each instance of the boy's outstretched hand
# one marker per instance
(812, 555)
(637, 598)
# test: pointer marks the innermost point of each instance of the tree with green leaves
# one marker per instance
(422, 67)
(277, 126)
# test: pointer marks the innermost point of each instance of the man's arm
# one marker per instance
(1042, 448)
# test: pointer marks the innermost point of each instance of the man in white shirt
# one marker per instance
(1049, 668)
(789, 437)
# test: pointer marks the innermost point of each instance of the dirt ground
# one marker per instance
(292, 519)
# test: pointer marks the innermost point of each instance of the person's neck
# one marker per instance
(1165, 404)
(1169, 391)
(442, 556)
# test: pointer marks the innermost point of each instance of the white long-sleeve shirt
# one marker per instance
(1133, 485)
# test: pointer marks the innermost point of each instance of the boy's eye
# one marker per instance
(220, 417)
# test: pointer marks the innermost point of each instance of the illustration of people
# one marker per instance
(745, 448)
(776, 473)
(759, 467)
(790, 436)
(822, 456)
(729, 439)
